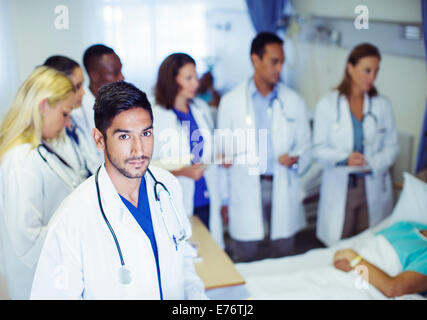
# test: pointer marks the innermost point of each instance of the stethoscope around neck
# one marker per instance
(69, 181)
(125, 276)
(366, 115)
(248, 119)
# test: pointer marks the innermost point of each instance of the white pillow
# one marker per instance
(412, 203)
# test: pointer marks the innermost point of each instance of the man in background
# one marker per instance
(102, 66)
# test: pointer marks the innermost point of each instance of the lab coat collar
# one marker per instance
(366, 101)
(111, 202)
(253, 90)
(113, 206)
(344, 102)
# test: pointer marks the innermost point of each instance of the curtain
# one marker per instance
(265, 14)
(422, 149)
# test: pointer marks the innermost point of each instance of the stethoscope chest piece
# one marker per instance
(124, 273)
(125, 276)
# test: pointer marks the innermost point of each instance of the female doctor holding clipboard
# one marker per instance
(355, 129)
(183, 128)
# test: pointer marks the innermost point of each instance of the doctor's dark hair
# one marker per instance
(361, 51)
(261, 40)
(166, 88)
(62, 64)
(93, 54)
(114, 98)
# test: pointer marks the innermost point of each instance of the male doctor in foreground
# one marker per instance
(109, 239)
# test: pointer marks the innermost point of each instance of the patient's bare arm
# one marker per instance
(407, 282)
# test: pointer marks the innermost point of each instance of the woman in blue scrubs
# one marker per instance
(183, 128)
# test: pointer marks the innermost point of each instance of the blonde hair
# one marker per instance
(23, 123)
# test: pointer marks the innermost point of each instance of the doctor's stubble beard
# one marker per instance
(123, 171)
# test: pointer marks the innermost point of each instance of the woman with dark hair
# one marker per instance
(79, 149)
(357, 144)
(183, 133)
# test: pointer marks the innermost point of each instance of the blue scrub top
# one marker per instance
(409, 244)
(142, 215)
(201, 195)
(72, 134)
(261, 104)
(357, 142)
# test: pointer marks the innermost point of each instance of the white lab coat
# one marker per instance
(337, 145)
(290, 132)
(30, 192)
(80, 156)
(84, 118)
(80, 260)
(172, 143)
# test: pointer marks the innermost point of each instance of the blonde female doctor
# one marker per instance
(355, 130)
(184, 134)
(78, 149)
(33, 180)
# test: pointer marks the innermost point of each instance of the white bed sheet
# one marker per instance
(312, 275)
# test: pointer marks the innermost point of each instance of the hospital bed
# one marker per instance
(313, 276)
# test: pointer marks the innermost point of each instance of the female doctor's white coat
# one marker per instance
(80, 260)
(333, 131)
(82, 156)
(30, 192)
(172, 143)
(290, 133)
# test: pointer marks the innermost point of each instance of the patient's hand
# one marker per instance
(342, 259)
(343, 265)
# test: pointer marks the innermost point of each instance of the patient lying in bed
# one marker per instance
(405, 244)
(393, 260)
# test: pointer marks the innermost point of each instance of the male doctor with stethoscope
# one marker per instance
(123, 233)
(271, 196)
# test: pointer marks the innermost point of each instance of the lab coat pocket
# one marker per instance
(284, 136)
(379, 139)
(336, 136)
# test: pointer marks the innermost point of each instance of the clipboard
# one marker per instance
(355, 169)
(300, 152)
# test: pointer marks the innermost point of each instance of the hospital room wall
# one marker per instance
(141, 32)
(28, 36)
(403, 79)
(31, 37)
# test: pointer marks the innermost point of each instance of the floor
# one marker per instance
(305, 240)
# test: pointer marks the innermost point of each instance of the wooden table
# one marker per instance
(216, 269)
